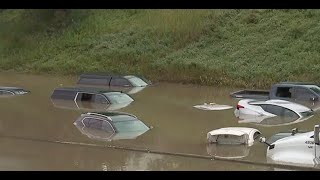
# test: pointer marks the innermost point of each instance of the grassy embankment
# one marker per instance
(245, 48)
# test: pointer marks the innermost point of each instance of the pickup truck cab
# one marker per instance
(301, 149)
(290, 91)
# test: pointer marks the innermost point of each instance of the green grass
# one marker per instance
(244, 48)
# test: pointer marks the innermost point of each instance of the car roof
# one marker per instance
(106, 75)
(286, 104)
(109, 75)
(98, 75)
(237, 131)
(87, 89)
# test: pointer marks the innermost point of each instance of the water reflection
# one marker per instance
(107, 136)
(228, 151)
(168, 107)
(52, 156)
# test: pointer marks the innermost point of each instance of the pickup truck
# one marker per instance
(302, 149)
(290, 91)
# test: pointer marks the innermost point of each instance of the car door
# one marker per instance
(303, 94)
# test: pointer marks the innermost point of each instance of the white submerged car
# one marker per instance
(233, 135)
(272, 108)
(298, 149)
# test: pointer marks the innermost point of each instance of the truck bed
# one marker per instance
(251, 94)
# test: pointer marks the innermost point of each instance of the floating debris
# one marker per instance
(212, 106)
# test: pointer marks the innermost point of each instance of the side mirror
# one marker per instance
(316, 134)
(262, 139)
(294, 131)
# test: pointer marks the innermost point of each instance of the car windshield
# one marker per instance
(136, 81)
(117, 97)
(307, 113)
(130, 126)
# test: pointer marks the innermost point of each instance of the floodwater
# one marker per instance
(31, 127)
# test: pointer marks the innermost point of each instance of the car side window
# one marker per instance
(303, 93)
(279, 111)
(284, 92)
(290, 114)
(263, 106)
(276, 110)
(87, 97)
(120, 82)
(60, 94)
(106, 126)
(100, 99)
(92, 123)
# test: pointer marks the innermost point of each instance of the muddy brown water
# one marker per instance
(28, 121)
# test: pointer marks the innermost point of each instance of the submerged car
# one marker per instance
(290, 91)
(272, 108)
(130, 84)
(233, 135)
(113, 80)
(12, 91)
(268, 121)
(107, 126)
(297, 149)
(93, 95)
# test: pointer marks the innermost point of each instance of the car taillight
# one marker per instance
(239, 106)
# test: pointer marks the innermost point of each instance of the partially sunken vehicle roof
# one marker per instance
(99, 75)
(87, 89)
(104, 75)
(108, 75)
(16, 90)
